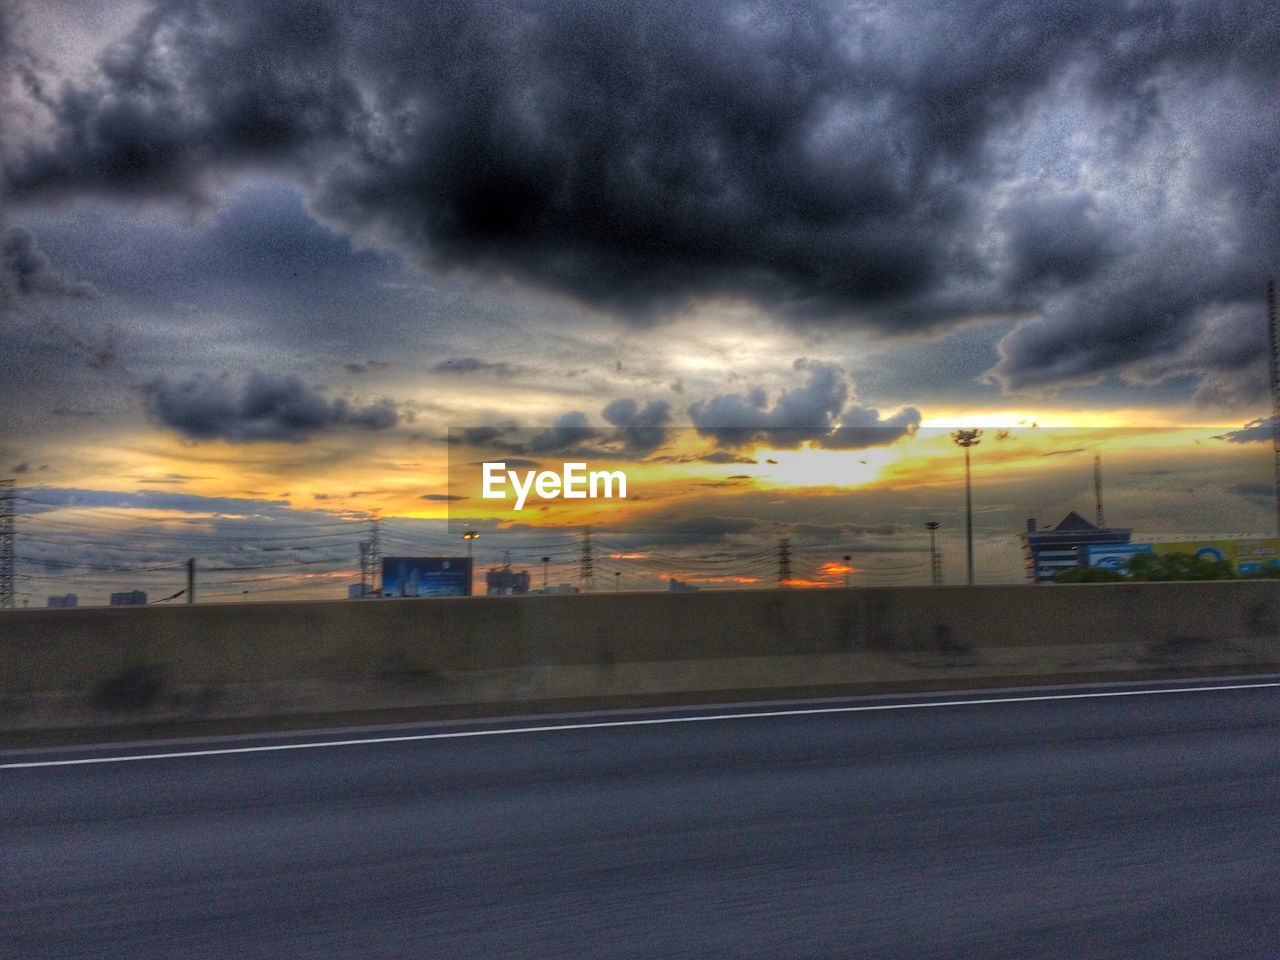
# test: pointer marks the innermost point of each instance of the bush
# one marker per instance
(1163, 567)
(1088, 575)
(1178, 566)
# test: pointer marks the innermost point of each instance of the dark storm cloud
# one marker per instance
(904, 166)
(1056, 240)
(821, 410)
(262, 408)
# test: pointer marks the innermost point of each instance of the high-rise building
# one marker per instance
(64, 602)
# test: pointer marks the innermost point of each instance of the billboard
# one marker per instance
(426, 576)
(1245, 556)
(1115, 556)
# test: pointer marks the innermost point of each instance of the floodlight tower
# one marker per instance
(967, 439)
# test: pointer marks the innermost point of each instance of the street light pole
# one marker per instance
(848, 559)
(967, 439)
(546, 565)
(470, 536)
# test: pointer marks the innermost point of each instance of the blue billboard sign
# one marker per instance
(1115, 556)
(426, 576)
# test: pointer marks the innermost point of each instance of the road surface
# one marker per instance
(1143, 825)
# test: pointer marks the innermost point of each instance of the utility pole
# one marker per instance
(784, 561)
(1274, 333)
(7, 513)
(935, 560)
(375, 559)
(967, 439)
(586, 566)
(546, 567)
(191, 580)
(848, 567)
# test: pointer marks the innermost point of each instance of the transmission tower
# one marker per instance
(366, 567)
(7, 512)
(1097, 491)
(935, 558)
(1275, 388)
(370, 561)
(375, 559)
(586, 569)
(784, 561)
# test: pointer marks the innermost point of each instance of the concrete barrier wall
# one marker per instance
(100, 666)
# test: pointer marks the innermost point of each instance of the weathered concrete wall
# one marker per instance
(97, 667)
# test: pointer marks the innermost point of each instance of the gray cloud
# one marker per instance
(476, 365)
(568, 432)
(1099, 176)
(263, 407)
(26, 273)
(1255, 431)
(1262, 493)
(821, 410)
(640, 427)
(865, 427)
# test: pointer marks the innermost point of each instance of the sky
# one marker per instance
(258, 258)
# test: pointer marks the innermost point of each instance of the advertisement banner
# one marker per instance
(1245, 556)
(1115, 556)
(426, 576)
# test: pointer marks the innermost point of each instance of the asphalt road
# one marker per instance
(1123, 826)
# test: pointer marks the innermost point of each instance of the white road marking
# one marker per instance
(652, 721)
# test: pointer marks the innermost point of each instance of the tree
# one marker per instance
(1178, 566)
(1162, 567)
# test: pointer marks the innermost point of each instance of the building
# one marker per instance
(129, 598)
(679, 586)
(1048, 552)
(560, 589)
(505, 582)
(65, 601)
(356, 591)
